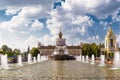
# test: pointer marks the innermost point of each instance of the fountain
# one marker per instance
(34, 60)
(29, 58)
(102, 61)
(61, 53)
(78, 58)
(46, 58)
(65, 50)
(55, 52)
(4, 62)
(43, 58)
(93, 59)
(87, 60)
(20, 60)
(38, 57)
(83, 59)
(116, 61)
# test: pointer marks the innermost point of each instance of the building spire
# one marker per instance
(60, 33)
(110, 29)
(28, 50)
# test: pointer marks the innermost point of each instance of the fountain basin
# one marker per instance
(62, 57)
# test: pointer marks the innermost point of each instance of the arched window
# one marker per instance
(111, 42)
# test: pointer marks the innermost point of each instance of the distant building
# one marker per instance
(110, 43)
(60, 43)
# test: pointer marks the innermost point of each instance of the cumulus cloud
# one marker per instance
(94, 39)
(23, 20)
(100, 8)
(31, 41)
(12, 10)
(72, 17)
(80, 20)
(36, 25)
(118, 39)
(74, 26)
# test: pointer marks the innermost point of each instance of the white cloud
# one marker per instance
(36, 25)
(71, 17)
(80, 20)
(96, 37)
(12, 10)
(100, 8)
(31, 41)
(118, 39)
(54, 25)
(48, 40)
(23, 20)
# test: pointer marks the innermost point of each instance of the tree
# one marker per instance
(34, 52)
(9, 50)
(89, 49)
(16, 52)
(2, 52)
(86, 49)
(10, 54)
(4, 48)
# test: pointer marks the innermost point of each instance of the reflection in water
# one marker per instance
(61, 70)
(59, 67)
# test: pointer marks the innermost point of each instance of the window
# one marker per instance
(111, 42)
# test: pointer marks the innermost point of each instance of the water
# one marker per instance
(43, 58)
(58, 48)
(65, 50)
(102, 61)
(77, 58)
(38, 57)
(83, 59)
(80, 58)
(61, 70)
(20, 60)
(55, 52)
(87, 59)
(93, 59)
(116, 61)
(34, 60)
(4, 62)
(29, 58)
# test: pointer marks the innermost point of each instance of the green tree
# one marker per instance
(34, 51)
(94, 49)
(16, 52)
(9, 54)
(4, 48)
(2, 52)
(86, 49)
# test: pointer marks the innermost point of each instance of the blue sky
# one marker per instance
(24, 23)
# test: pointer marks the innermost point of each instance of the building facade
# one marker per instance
(60, 44)
(110, 43)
